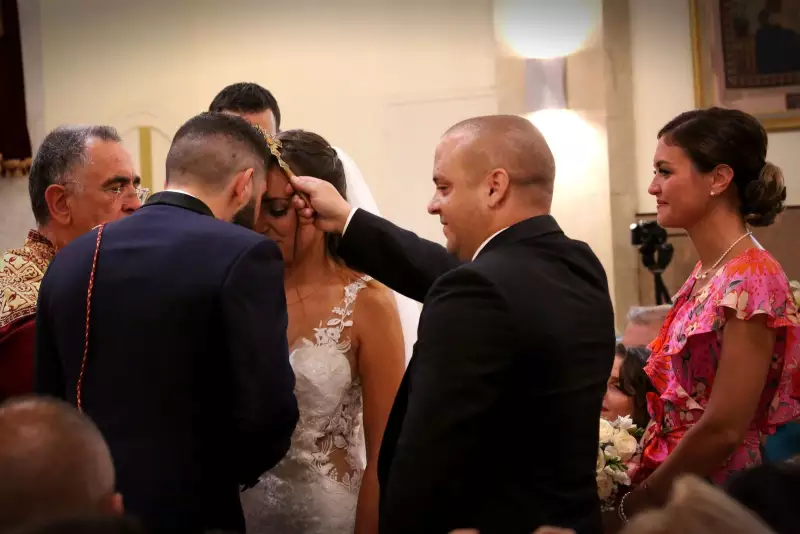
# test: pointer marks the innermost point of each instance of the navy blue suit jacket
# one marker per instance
(188, 375)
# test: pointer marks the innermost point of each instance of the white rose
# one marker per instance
(620, 476)
(605, 485)
(624, 423)
(601, 459)
(626, 445)
(606, 431)
(611, 452)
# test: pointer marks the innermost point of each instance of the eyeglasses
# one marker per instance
(121, 191)
(128, 190)
(142, 193)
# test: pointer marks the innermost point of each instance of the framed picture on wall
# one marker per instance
(747, 56)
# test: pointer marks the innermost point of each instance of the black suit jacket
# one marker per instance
(188, 376)
(495, 424)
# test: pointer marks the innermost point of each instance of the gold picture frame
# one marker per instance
(731, 41)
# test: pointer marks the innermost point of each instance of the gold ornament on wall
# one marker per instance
(146, 157)
(15, 168)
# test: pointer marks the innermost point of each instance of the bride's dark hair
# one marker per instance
(309, 154)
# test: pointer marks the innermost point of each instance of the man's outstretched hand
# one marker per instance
(325, 206)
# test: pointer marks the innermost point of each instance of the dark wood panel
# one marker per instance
(780, 239)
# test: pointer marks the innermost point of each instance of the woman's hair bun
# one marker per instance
(763, 198)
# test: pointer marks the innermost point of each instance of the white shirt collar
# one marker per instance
(175, 190)
(487, 242)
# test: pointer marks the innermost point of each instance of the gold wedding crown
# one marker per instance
(274, 145)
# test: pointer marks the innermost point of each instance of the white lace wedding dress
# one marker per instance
(314, 489)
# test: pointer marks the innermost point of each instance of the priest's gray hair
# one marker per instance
(61, 153)
(647, 315)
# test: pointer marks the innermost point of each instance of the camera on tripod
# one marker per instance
(656, 253)
(647, 234)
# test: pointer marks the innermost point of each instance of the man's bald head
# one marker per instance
(511, 143)
(54, 464)
(490, 173)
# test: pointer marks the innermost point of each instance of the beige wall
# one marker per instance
(663, 87)
(16, 217)
(379, 78)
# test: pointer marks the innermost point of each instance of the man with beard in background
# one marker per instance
(185, 368)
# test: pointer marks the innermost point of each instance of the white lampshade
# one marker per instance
(545, 29)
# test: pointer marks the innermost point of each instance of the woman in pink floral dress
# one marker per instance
(724, 362)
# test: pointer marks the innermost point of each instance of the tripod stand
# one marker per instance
(656, 258)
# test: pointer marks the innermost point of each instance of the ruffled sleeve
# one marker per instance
(755, 284)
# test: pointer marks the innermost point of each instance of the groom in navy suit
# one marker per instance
(184, 363)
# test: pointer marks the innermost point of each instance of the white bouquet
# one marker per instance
(794, 285)
(619, 444)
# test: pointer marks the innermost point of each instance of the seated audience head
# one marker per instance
(771, 491)
(307, 154)
(490, 173)
(711, 163)
(81, 176)
(644, 325)
(221, 159)
(54, 465)
(540, 530)
(696, 507)
(91, 525)
(251, 102)
(628, 386)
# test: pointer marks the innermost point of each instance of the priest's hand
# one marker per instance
(319, 201)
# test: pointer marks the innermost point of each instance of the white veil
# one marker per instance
(359, 196)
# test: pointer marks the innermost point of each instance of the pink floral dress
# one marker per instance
(686, 353)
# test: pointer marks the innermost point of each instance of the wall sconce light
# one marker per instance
(534, 38)
(545, 84)
(545, 29)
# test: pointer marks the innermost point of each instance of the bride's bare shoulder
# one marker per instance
(375, 309)
(376, 295)
(378, 333)
(370, 296)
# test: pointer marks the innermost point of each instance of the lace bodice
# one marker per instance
(329, 436)
(315, 487)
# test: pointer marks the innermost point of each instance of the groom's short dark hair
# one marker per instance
(246, 97)
(211, 147)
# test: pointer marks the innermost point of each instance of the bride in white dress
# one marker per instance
(347, 353)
